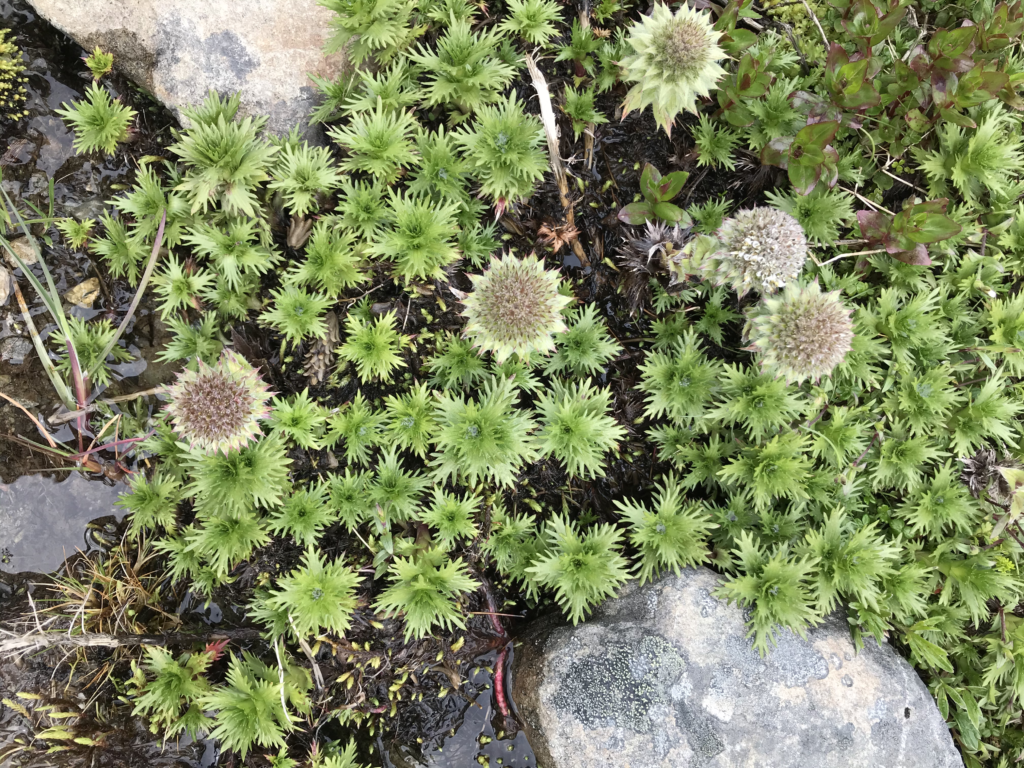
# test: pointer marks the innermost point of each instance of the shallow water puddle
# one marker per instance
(44, 519)
(469, 737)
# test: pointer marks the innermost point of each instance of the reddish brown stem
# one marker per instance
(499, 682)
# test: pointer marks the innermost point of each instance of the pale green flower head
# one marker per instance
(515, 308)
(802, 332)
(675, 61)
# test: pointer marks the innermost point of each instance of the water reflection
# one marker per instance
(43, 519)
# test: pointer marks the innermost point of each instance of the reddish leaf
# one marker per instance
(635, 214)
(671, 185)
(874, 225)
(917, 256)
(648, 182)
(804, 177)
(776, 152)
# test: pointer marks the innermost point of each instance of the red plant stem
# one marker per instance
(492, 611)
(114, 444)
(499, 682)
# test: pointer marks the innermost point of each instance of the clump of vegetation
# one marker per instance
(12, 78)
(802, 369)
(100, 123)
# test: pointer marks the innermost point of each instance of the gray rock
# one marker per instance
(14, 349)
(179, 49)
(664, 677)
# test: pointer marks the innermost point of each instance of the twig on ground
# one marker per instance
(547, 117)
(15, 644)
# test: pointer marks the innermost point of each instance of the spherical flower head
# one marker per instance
(675, 61)
(217, 408)
(759, 248)
(801, 333)
(515, 307)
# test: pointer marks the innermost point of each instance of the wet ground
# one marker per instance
(43, 512)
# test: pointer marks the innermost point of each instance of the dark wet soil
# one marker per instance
(35, 153)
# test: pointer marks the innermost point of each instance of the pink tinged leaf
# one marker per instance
(874, 225)
(649, 180)
(918, 256)
(671, 185)
(804, 177)
(635, 214)
(776, 152)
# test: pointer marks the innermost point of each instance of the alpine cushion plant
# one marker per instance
(585, 347)
(298, 418)
(575, 427)
(425, 590)
(680, 382)
(503, 147)
(232, 249)
(99, 122)
(674, 61)
(152, 503)
(359, 427)
(775, 586)
(303, 516)
(515, 308)
(532, 20)
(256, 476)
(579, 106)
(581, 570)
(89, 340)
(373, 347)
(170, 700)
(249, 708)
(317, 596)
(462, 68)
(122, 249)
(332, 262)
(302, 174)
(455, 364)
(377, 28)
(486, 438)
(410, 420)
(180, 286)
(379, 143)
(298, 314)
(226, 161)
(419, 238)
(452, 517)
(672, 535)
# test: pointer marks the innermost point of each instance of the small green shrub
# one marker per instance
(100, 123)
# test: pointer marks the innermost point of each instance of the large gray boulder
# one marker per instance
(180, 49)
(663, 677)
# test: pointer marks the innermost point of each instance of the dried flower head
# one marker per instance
(759, 248)
(675, 61)
(802, 333)
(654, 250)
(217, 408)
(515, 307)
